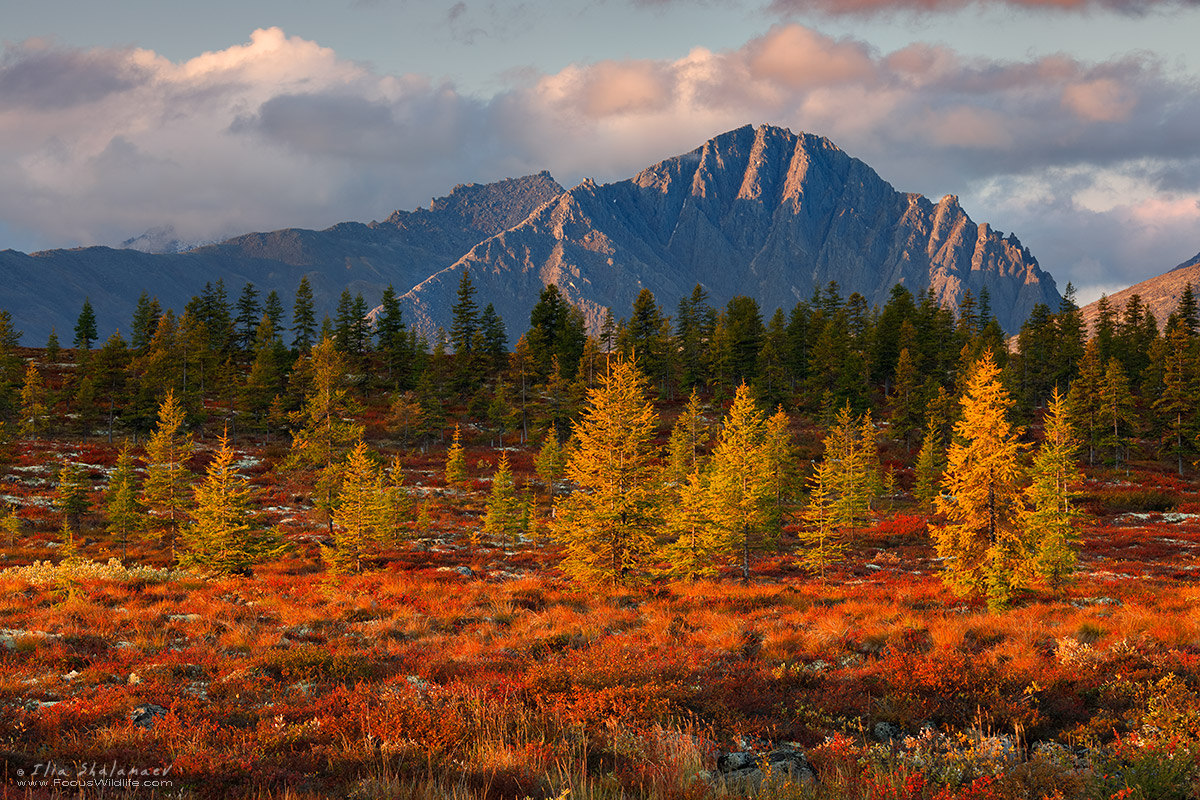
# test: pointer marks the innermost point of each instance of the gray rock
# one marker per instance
(145, 715)
(420, 684)
(748, 771)
(37, 705)
(732, 762)
(887, 732)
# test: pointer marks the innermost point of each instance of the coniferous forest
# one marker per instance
(831, 551)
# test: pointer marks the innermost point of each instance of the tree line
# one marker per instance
(935, 377)
(251, 363)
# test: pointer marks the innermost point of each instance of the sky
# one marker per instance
(1074, 124)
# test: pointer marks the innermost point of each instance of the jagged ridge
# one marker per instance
(47, 289)
(766, 213)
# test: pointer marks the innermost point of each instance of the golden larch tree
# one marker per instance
(360, 514)
(35, 415)
(688, 436)
(126, 514)
(740, 481)
(852, 453)
(607, 526)
(820, 517)
(222, 538)
(1051, 519)
(325, 431)
(167, 476)
(696, 544)
(982, 540)
(456, 461)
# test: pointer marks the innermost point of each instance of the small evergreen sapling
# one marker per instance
(222, 538)
(456, 462)
(167, 475)
(1050, 522)
(550, 463)
(10, 526)
(360, 516)
(503, 520)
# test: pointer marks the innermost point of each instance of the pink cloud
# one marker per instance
(1099, 100)
(800, 58)
(280, 131)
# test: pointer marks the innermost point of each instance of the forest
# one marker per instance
(840, 552)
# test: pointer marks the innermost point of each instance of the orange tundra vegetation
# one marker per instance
(457, 669)
(531, 579)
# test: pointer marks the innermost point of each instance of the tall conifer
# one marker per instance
(85, 330)
(1050, 523)
(167, 475)
(740, 481)
(304, 320)
(982, 542)
(1178, 401)
(607, 527)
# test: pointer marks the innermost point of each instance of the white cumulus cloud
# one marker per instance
(99, 145)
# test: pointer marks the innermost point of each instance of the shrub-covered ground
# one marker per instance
(457, 670)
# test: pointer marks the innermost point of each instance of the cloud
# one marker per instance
(927, 117)
(36, 74)
(280, 131)
(98, 146)
(1097, 230)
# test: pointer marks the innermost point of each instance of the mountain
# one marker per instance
(47, 289)
(766, 213)
(1160, 294)
(762, 212)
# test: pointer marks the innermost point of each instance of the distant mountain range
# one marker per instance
(47, 289)
(762, 212)
(1160, 294)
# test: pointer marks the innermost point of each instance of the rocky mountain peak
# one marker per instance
(495, 207)
(758, 211)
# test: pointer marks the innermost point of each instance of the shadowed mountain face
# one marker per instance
(765, 213)
(47, 289)
(761, 212)
(1159, 294)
